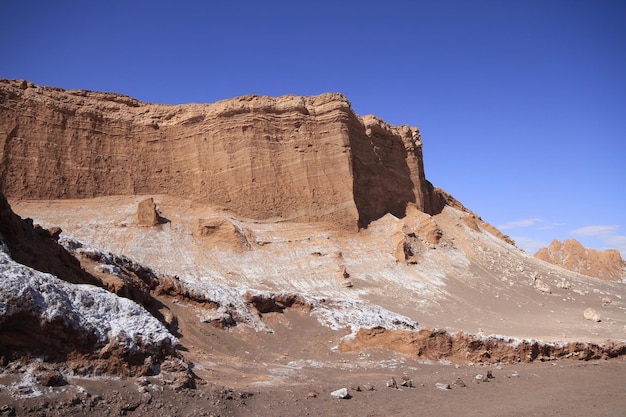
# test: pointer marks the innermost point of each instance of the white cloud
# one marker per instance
(597, 231)
(606, 234)
(520, 223)
(550, 226)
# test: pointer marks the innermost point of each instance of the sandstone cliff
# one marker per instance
(571, 255)
(286, 158)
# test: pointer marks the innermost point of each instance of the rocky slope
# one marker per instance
(67, 317)
(232, 229)
(571, 255)
(289, 158)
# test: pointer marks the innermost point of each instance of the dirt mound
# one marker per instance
(570, 254)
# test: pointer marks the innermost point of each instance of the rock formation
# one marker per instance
(147, 213)
(295, 158)
(570, 254)
(51, 316)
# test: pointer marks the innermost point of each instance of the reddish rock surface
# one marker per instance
(304, 158)
(570, 254)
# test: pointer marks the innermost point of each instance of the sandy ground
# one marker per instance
(471, 282)
(245, 373)
(565, 388)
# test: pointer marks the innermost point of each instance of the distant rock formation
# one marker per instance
(288, 158)
(607, 265)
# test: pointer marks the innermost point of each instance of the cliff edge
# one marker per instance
(285, 158)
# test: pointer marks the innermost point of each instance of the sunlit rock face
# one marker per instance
(285, 158)
(570, 254)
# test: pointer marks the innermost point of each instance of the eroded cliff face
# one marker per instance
(570, 254)
(285, 158)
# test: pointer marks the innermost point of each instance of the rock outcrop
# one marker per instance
(38, 248)
(51, 316)
(570, 254)
(147, 214)
(289, 158)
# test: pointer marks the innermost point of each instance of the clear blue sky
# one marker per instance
(521, 104)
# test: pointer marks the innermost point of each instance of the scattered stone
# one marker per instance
(481, 378)
(369, 387)
(515, 375)
(442, 386)
(407, 383)
(606, 301)
(312, 394)
(591, 314)
(143, 381)
(341, 393)
(51, 378)
(543, 287)
(7, 410)
(459, 383)
(564, 285)
(391, 383)
(355, 387)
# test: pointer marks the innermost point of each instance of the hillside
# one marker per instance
(266, 242)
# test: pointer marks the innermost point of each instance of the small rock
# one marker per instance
(591, 314)
(341, 393)
(392, 383)
(143, 381)
(355, 387)
(442, 386)
(369, 387)
(489, 375)
(459, 383)
(7, 410)
(481, 378)
(515, 375)
(407, 383)
(312, 394)
(51, 378)
(543, 287)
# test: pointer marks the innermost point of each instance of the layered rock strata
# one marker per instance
(290, 158)
(570, 254)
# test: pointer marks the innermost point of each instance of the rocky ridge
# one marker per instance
(232, 284)
(571, 255)
(288, 158)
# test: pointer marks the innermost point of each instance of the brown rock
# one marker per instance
(219, 231)
(607, 265)
(147, 213)
(305, 158)
(51, 378)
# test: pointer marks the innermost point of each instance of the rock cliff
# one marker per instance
(285, 158)
(571, 255)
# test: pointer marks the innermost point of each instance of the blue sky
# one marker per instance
(521, 104)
